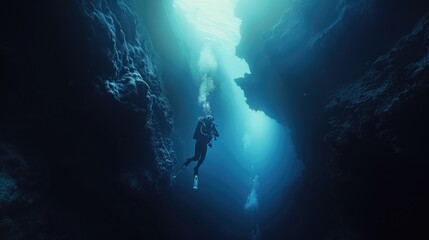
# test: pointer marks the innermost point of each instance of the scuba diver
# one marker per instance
(203, 134)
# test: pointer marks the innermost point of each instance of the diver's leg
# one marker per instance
(202, 157)
(183, 167)
(194, 158)
(189, 160)
(199, 152)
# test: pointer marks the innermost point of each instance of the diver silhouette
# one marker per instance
(203, 134)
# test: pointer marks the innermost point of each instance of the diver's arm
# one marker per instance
(215, 132)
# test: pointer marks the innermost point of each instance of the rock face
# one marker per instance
(349, 78)
(85, 125)
(131, 72)
(377, 131)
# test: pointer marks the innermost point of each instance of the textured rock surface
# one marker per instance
(83, 108)
(336, 39)
(388, 98)
(376, 139)
(350, 81)
(131, 74)
(22, 204)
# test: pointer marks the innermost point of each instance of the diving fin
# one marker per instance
(179, 171)
(195, 182)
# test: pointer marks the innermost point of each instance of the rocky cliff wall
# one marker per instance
(349, 78)
(85, 123)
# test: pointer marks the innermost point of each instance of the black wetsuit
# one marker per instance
(204, 132)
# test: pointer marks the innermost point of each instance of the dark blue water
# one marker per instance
(225, 178)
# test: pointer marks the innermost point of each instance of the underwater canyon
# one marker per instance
(321, 107)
